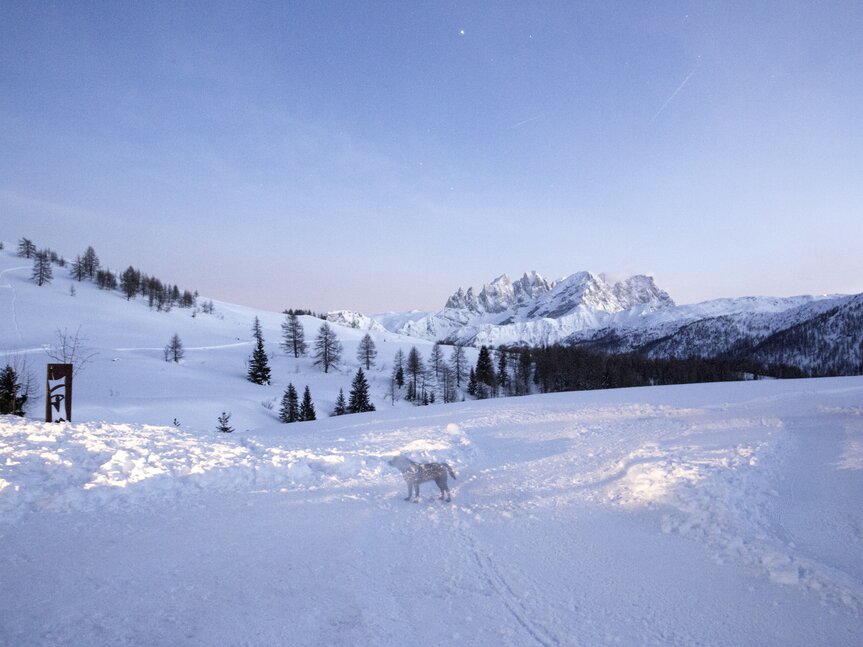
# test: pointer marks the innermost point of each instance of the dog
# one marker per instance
(416, 473)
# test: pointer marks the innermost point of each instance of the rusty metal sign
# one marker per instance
(58, 393)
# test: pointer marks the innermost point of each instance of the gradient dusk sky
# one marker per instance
(377, 155)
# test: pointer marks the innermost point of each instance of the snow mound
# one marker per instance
(62, 467)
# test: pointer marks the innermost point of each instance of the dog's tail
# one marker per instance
(449, 469)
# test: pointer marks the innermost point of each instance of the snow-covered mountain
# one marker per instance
(531, 310)
(819, 334)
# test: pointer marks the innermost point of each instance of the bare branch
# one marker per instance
(70, 349)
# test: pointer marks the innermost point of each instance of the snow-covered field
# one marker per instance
(721, 514)
(710, 514)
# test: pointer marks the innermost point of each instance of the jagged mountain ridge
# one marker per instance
(530, 310)
(819, 334)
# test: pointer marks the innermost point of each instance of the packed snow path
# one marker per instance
(710, 514)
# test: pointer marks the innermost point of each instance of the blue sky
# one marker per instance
(376, 156)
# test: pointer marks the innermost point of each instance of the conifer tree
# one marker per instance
(436, 361)
(458, 363)
(293, 335)
(328, 348)
(415, 368)
(290, 411)
(307, 409)
(471, 383)
(42, 272)
(398, 368)
(259, 367)
(447, 384)
(485, 377)
(502, 374)
(130, 282)
(366, 352)
(522, 372)
(26, 248)
(341, 407)
(223, 425)
(106, 280)
(359, 397)
(77, 269)
(12, 398)
(90, 263)
(174, 350)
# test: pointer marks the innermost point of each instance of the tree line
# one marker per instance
(132, 282)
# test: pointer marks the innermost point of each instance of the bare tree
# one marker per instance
(26, 248)
(174, 350)
(293, 336)
(70, 349)
(42, 272)
(458, 363)
(328, 348)
(366, 352)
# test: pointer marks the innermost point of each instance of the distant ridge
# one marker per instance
(822, 335)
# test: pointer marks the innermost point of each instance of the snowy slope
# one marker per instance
(721, 514)
(128, 371)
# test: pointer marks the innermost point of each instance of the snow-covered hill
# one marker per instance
(128, 373)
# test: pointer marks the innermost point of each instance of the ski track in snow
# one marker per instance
(216, 347)
(6, 284)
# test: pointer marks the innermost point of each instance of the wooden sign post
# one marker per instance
(59, 392)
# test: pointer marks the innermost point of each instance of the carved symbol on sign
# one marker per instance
(59, 392)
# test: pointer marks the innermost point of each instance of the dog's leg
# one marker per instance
(417, 489)
(410, 491)
(444, 490)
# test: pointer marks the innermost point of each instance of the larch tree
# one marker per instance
(458, 363)
(436, 361)
(130, 282)
(293, 335)
(447, 384)
(76, 269)
(42, 272)
(415, 368)
(90, 262)
(328, 348)
(174, 350)
(366, 351)
(26, 248)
